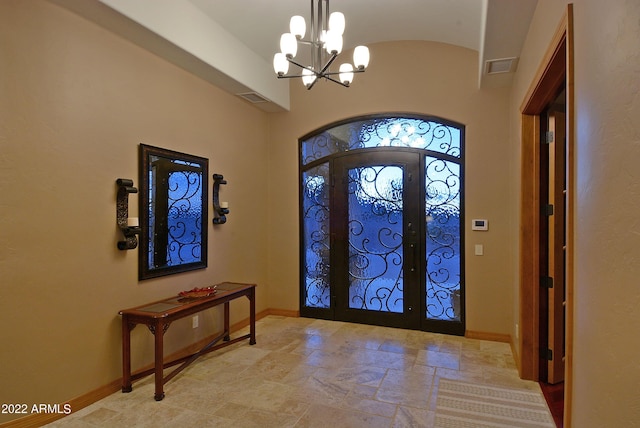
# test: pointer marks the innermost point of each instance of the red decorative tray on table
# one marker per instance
(198, 292)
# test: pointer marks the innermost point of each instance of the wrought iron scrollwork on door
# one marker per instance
(375, 238)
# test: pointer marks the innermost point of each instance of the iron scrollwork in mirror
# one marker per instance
(173, 212)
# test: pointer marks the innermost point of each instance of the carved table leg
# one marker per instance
(126, 354)
(252, 316)
(158, 331)
(226, 322)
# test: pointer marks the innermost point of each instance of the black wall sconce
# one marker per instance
(125, 186)
(220, 209)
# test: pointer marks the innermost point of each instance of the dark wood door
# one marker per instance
(553, 197)
(556, 247)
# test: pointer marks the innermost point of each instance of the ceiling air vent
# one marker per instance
(253, 97)
(504, 65)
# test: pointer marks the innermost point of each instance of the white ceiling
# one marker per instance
(259, 23)
(232, 42)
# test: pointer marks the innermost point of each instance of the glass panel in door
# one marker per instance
(376, 238)
(443, 240)
(315, 237)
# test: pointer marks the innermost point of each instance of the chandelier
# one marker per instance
(325, 43)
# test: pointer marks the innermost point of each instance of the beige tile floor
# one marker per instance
(311, 373)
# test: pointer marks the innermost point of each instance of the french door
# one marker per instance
(382, 233)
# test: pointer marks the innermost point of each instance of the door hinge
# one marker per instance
(547, 210)
(548, 137)
(546, 282)
(549, 355)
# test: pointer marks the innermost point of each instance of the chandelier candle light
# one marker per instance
(326, 44)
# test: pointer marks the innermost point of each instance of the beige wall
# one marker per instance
(607, 83)
(607, 325)
(75, 102)
(421, 77)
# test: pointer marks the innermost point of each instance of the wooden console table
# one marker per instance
(157, 316)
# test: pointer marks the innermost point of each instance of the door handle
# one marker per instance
(413, 257)
(410, 228)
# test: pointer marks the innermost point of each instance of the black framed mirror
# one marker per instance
(173, 212)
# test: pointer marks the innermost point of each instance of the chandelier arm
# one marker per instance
(328, 64)
(328, 77)
(312, 84)
(333, 73)
(325, 76)
(289, 76)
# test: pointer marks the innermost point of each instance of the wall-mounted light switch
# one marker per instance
(479, 249)
(479, 224)
(194, 321)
